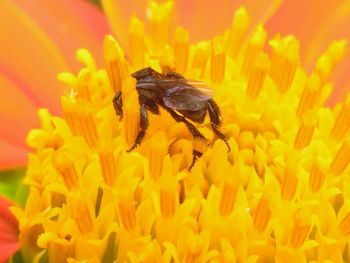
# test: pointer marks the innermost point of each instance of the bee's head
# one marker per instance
(142, 73)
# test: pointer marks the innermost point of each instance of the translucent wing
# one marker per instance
(186, 97)
(146, 85)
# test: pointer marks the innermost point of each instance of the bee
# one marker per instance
(178, 96)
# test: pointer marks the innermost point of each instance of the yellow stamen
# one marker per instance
(131, 118)
(342, 122)
(58, 199)
(82, 214)
(88, 126)
(116, 65)
(60, 252)
(66, 168)
(246, 139)
(305, 131)
(262, 214)
(80, 119)
(127, 215)
(284, 61)
(247, 156)
(108, 166)
(258, 74)
(327, 61)
(201, 57)
(159, 16)
(68, 106)
(238, 31)
(194, 250)
(218, 61)
(45, 119)
(192, 257)
(85, 57)
(260, 160)
(344, 225)
(290, 179)
(166, 59)
(167, 202)
(156, 160)
(300, 230)
(255, 46)
(137, 42)
(228, 197)
(83, 88)
(47, 137)
(181, 50)
(300, 233)
(341, 159)
(317, 177)
(310, 96)
(158, 150)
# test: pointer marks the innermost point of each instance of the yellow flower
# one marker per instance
(281, 194)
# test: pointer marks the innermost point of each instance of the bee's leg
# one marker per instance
(143, 126)
(118, 104)
(215, 120)
(152, 107)
(193, 130)
(195, 155)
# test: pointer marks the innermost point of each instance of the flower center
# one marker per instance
(282, 185)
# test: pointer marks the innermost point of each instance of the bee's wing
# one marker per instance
(186, 97)
(145, 85)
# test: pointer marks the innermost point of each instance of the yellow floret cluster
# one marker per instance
(281, 194)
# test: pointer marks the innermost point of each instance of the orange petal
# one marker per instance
(316, 23)
(9, 243)
(70, 24)
(119, 12)
(35, 52)
(39, 41)
(335, 27)
(17, 111)
(197, 15)
(207, 18)
(302, 19)
(31, 53)
(341, 81)
(11, 156)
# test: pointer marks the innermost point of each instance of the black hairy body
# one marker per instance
(177, 96)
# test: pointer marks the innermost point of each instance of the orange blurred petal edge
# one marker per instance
(9, 243)
(71, 24)
(31, 54)
(39, 41)
(318, 24)
(18, 113)
(306, 20)
(196, 15)
(118, 14)
(11, 156)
